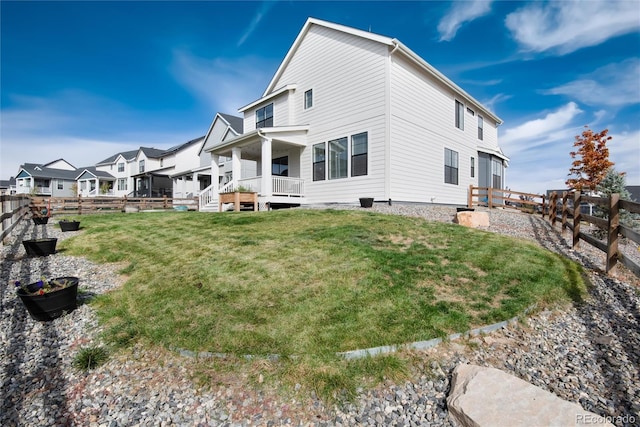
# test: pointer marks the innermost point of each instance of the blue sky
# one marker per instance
(85, 80)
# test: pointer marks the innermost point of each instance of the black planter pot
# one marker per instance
(69, 225)
(40, 220)
(366, 202)
(51, 304)
(40, 247)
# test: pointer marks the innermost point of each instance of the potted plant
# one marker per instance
(40, 217)
(40, 247)
(49, 299)
(366, 202)
(69, 225)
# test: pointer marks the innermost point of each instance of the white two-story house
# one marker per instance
(352, 114)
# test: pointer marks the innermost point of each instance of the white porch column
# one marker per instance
(267, 189)
(236, 165)
(215, 172)
(196, 185)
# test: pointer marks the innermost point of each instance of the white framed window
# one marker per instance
(122, 184)
(60, 184)
(450, 166)
(480, 128)
(338, 158)
(141, 166)
(359, 154)
(121, 167)
(264, 116)
(319, 163)
(308, 99)
(459, 115)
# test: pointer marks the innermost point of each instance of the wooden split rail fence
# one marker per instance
(88, 205)
(566, 210)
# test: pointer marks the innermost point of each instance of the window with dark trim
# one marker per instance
(480, 128)
(308, 99)
(280, 166)
(60, 184)
(338, 158)
(450, 166)
(319, 154)
(141, 166)
(359, 154)
(473, 167)
(459, 115)
(120, 167)
(264, 116)
(122, 184)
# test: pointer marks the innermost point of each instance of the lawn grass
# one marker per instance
(312, 283)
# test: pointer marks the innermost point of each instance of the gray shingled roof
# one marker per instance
(39, 171)
(128, 155)
(237, 123)
(183, 145)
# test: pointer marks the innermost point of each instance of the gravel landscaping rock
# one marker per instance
(588, 353)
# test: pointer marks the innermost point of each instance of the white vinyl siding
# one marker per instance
(422, 126)
(347, 74)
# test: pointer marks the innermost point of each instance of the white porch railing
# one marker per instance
(286, 186)
(281, 186)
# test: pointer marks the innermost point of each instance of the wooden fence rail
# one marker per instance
(89, 205)
(611, 225)
(13, 209)
(567, 211)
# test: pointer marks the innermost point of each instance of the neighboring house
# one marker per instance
(192, 168)
(7, 186)
(55, 179)
(352, 114)
(225, 127)
(93, 183)
(121, 166)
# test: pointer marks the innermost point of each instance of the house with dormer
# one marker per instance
(54, 179)
(350, 114)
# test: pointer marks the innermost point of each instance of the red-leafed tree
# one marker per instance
(591, 160)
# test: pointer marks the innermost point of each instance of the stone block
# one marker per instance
(473, 219)
(483, 396)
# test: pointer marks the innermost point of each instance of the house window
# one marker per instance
(496, 171)
(470, 111)
(473, 167)
(122, 184)
(60, 184)
(319, 153)
(141, 166)
(280, 166)
(338, 158)
(480, 128)
(459, 115)
(121, 167)
(308, 99)
(359, 154)
(264, 116)
(161, 162)
(450, 166)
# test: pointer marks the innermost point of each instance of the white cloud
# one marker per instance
(624, 151)
(81, 128)
(566, 26)
(496, 99)
(460, 13)
(264, 9)
(539, 150)
(614, 85)
(540, 131)
(224, 85)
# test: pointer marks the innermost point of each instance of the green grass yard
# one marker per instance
(311, 283)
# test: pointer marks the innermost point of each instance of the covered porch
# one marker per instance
(277, 153)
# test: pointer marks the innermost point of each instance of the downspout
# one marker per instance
(387, 136)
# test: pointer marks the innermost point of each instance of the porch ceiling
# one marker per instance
(251, 143)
